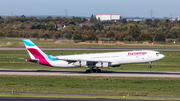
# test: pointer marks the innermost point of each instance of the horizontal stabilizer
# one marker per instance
(53, 57)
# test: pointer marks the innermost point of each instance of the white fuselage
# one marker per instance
(115, 58)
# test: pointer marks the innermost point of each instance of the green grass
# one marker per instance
(92, 85)
(19, 43)
(9, 60)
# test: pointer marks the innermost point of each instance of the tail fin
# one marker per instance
(36, 53)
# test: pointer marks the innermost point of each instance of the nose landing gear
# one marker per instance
(150, 65)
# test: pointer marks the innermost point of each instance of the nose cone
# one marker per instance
(161, 56)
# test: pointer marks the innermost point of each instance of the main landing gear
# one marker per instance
(150, 65)
(91, 70)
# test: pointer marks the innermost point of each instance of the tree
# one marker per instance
(95, 19)
(137, 32)
(72, 27)
(85, 37)
(1, 20)
(22, 26)
(148, 21)
(22, 16)
(155, 23)
(134, 31)
(145, 37)
(1, 34)
(73, 19)
(111, 39)
(6, 21)
(92, 37)
(98, 27)
(110, 34)
(92, 18)
(58, 19)
(178, 39)
(77, 37)
(159, 37)
(84, 19)
(119, 37)
(124, 21)
(128, 38)
(174, 33)
(97, 32)
(50, 26)
(48, 19)
(99, 20)
(68, 35)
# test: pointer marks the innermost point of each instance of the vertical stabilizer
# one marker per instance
(35, 52)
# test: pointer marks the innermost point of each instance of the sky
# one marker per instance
(126, 8)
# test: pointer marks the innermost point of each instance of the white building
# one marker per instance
(104, 17)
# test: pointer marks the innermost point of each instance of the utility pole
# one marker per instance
(151, 13)
(66, 13)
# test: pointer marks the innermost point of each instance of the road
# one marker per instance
(23, 48)
(82, 73)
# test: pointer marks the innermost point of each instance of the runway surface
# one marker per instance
(23, 48)
(82, 73)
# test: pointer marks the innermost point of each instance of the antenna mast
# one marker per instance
(151, 13)
(66, 13)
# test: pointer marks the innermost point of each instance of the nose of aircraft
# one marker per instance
(161, 56)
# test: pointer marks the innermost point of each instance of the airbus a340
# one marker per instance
(93, 61)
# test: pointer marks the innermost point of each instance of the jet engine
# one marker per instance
(80, 63)
(102, 64)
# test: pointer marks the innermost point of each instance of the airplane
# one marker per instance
(92, 61)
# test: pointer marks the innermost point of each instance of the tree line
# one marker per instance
(93, 29)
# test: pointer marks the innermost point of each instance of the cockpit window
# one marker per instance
(158, 53)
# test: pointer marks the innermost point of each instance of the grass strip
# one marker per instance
(122, 86)
(19, 43)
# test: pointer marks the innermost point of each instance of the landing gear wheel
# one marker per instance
(94, 70)
(98, 70)
(88, 71)
(150, 66)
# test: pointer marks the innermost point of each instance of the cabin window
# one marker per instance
(158, 53)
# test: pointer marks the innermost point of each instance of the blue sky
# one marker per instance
(132, 8)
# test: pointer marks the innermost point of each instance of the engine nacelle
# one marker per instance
(80, 63)
(102, 64)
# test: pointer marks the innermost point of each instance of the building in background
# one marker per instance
(111, 17)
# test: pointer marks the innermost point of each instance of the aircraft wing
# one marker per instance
(74, 60)
(70, 60)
